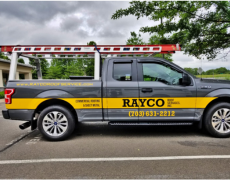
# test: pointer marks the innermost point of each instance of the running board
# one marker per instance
(151, 123)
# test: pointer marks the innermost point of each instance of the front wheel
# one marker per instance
(56, 123)
(217, 120)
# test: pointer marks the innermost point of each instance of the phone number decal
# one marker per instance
(151, 113)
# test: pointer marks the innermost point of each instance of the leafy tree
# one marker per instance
(63, 68)
(54, 71)
(89, 70)
(210, 72)
(2, 56)
(135, 39)
(91, 43)
(44, 67)
(20, 60)
(221, 70)
(193, 71)
(190, 70)
(156, 39)
(201, 27)
(166, 56)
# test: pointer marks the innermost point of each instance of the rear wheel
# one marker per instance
(217, 120)
(56, 123)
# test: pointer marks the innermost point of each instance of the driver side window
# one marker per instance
(161, 73)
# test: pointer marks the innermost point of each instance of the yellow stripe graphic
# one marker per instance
(33, 103)
(115, 103)
(171, 102)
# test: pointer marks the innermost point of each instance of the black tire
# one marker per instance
(69, 117)
(208, 120)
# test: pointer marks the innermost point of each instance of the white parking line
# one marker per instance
(114, 159)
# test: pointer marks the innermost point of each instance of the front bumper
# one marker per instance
(18, 114)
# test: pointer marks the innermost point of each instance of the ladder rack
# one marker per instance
(64, 51)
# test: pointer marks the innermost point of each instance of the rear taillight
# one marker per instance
(8, 95)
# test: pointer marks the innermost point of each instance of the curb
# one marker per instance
(2, 100)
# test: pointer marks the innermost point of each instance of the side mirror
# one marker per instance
(186, 80)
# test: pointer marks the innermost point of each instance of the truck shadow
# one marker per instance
(103, 129)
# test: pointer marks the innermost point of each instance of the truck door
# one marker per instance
(122, 90)
(162, 96)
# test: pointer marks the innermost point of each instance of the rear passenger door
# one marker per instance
(162, 95)
(122, 90)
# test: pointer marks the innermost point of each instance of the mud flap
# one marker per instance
(34, 124)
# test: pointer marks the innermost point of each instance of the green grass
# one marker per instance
(216, 76)
(2, 95)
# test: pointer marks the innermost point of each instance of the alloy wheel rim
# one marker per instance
(55, 123)
(221, 120)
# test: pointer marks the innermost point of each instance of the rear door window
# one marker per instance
(122, 71)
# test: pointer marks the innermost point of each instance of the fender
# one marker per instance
(219, 93)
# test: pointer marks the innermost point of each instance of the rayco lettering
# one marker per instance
(149, 102)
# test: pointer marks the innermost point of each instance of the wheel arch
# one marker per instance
(223, 95)
(215, 101)
(53, 101)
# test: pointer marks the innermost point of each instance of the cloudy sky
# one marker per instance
(66, 23)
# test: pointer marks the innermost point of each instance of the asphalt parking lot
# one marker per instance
(97, 150)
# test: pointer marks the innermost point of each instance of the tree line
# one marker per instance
(221, 70)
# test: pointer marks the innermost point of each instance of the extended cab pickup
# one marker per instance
(131, 91)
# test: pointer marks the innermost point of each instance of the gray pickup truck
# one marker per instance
(131, 91)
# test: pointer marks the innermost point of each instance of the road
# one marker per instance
(97, 150)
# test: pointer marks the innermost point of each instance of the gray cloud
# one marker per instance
(64, 22)
(36, 11)
(44, 11)
(71, 23)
